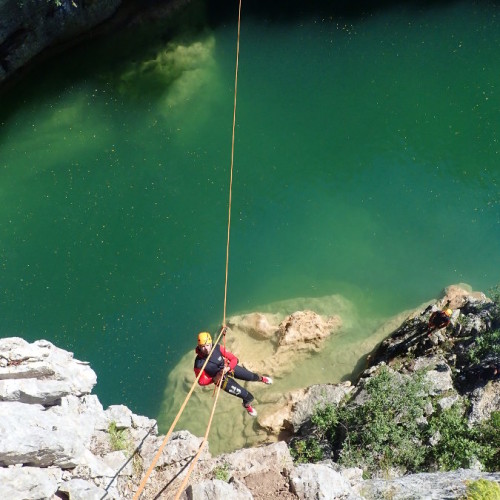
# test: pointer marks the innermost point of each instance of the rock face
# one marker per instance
(30, 26)
(55, 435)
(458, 363)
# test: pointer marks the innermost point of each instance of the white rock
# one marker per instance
(218, 490)
(91, 466)
(181, 447)
(28, 483)
(319, 481)
(79, 489)
(31, 390)
(260, 459)
(43, 439)
(121, 415)
(44, 373)
(120, 462)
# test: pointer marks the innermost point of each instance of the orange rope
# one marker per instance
(174, 423)
(222, 333)
(202, 445)
(232, 161)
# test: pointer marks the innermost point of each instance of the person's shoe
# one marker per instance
(267, 380)
(251, 410)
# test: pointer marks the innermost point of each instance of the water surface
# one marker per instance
(366, 167)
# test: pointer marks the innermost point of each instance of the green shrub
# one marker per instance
(383, 432)
(485, 343)
(222, 472)
(458, 444)
(118, 438)
(488, 433)
(483, 490)
(306, 450)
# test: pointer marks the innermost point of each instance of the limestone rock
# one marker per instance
(256, 460)
(438, 374)
(456, 296)
(120, 415)
(79, 489)
(425, 486)
(484, 401)
(181, 447)
(318, 395)
(274, 345)
(41, 372)
(320, 481)
(257, 324)
(218, 490)
(44, 439)
(28, 483)
(28, 27)
(305, 330)
(119, 462)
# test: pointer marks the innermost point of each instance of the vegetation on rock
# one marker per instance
(483, 489)
(399, 427)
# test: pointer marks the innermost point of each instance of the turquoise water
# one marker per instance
(366, 165)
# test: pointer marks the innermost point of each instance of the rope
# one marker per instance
(202, 445)
(222, 333)
(232, 160)
(172, 427)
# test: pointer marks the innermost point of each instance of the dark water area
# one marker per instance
(366, 165)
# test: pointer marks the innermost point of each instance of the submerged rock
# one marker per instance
(283, 341)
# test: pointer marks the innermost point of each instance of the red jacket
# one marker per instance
(220, 358)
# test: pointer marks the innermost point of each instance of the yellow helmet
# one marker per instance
(204, 338)
(448, 312)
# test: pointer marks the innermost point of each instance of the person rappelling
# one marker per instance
(222, 368)
(439, 319)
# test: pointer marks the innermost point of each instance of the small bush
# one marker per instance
(118, 438)
(222, 472)
(488, 433)
(383, 432)
(306, 450)
(458, 445)
(485, 344)
(483, 490)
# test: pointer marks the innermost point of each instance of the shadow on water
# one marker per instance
(289, 10)
(137, 30)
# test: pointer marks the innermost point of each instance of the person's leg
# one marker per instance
(232, 387)
(244, 374)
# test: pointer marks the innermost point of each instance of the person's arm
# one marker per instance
(230, 357)
(204, 379)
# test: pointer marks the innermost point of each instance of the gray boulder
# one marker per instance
(28, 483)
(30, 26)
(321, 482)
(44, 439)
(41, 372)
(426, 486)
(218, 490)
(79, 489)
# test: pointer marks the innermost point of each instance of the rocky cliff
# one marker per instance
(28, 27)
(57, 441)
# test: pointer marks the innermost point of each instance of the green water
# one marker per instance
(366, 165)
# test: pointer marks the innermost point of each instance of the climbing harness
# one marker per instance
(223, 330)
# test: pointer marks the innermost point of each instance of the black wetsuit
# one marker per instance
(229, 385)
